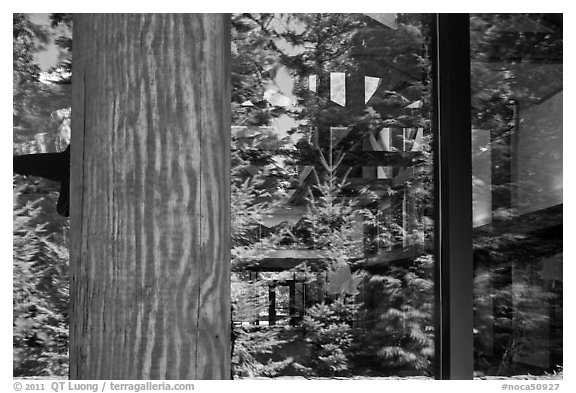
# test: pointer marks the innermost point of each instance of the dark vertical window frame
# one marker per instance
(453, 188)
(272, 305)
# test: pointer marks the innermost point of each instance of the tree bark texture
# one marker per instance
(150, 165)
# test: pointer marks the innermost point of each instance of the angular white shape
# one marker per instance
(385, 139)
(382, 144)
(370, 86)
(418, 142)
(338, 88)
(415, 105)
(386, 19)
(406, 141)
(312, 83)
(384, 172)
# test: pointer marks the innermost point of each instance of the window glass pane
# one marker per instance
(332, 195)
(517, 95)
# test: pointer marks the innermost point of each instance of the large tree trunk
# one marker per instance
(150, 197)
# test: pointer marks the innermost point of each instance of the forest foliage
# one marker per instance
(339, 335)
(40, 236)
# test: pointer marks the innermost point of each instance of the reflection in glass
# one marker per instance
(332, 195)
(517, 184)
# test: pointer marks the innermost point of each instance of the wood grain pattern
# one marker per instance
(150, 197)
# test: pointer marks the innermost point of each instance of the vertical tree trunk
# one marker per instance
(150, 197)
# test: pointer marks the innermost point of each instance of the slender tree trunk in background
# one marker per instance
(150, 197)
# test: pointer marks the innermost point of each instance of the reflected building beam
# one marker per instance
(481, 178)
